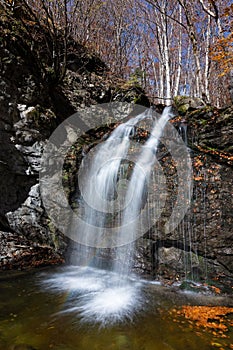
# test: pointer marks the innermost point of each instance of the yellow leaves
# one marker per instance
(228, 11)
(222, 74)
(9, 2)
(222, 53)
(219, 346)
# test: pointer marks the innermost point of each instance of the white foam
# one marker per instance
(110, 305)
(97, 296)
(74, 279)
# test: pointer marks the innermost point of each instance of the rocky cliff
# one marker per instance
(200, 248)
(32, 106)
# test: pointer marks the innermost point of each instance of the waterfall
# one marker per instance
(98, 181)
(183, 131)
(102, 180)
(101, 175)
(115, 185)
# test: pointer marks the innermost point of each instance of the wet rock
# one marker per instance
(13, 175)
(31, 221)
(17, 252)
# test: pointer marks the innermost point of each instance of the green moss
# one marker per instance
(183, 108)
(65, 176)
(53, 230)
(182, 104)
(211, 148)
(50, 74)
(180, 100)
(131, 92)
(203, 122)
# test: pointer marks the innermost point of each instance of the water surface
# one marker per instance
(35, 310)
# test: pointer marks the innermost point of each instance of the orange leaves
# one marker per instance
(198, 178)
(215, 152)
(198, 162)
(216, 290)
(212, 318)
(222, 51)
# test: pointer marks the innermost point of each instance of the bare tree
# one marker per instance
(165, 46)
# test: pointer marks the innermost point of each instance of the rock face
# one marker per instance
(24, 125)
(201, 247)
(30, 109)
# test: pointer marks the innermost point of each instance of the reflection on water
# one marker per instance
(31, 312)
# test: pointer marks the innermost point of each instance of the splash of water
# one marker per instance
(94, 295)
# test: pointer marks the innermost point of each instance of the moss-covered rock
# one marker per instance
(185, 103)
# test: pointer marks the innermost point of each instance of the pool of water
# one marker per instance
(70, 309)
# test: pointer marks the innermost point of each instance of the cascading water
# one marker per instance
(135, 194)
(183, 131)
(100, 295)
(98, 182)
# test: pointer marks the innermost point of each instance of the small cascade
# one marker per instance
(135, 195)
(99, 176)
(183, 131)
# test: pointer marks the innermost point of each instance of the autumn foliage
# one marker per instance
(167, 47)
(217, 320)
(222, 50)
(211, 317)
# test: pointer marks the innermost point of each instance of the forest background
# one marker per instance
(169, 48)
